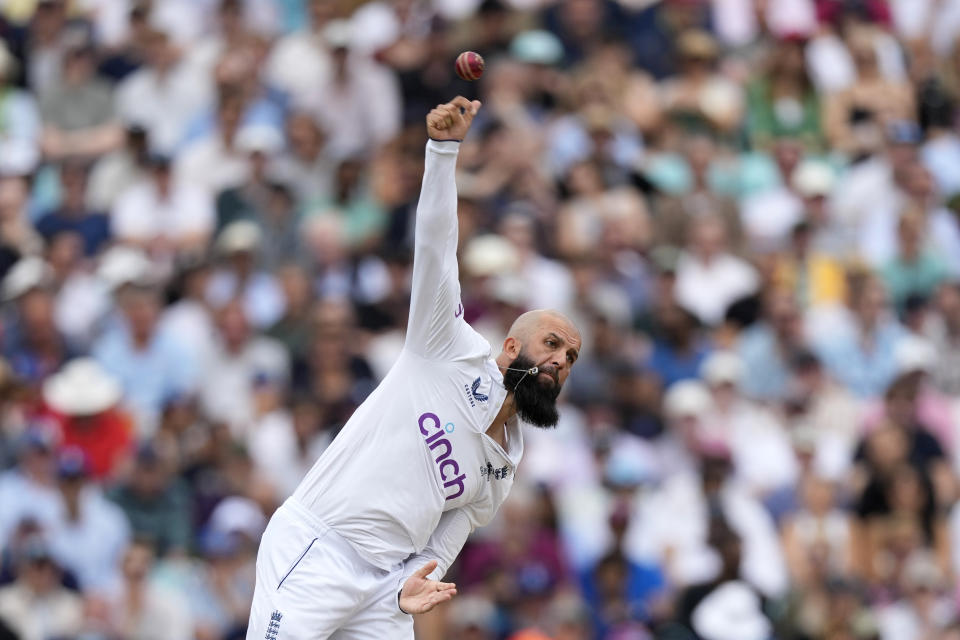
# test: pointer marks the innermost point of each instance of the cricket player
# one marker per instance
(367, 536)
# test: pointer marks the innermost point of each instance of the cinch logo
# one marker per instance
(449, 468)
(472, 394)
(459, 311)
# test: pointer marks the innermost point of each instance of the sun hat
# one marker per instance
(82, 388)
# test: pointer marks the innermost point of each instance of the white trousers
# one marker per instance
(312, 585)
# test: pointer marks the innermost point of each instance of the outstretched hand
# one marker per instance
(420, 594)
(451, 121)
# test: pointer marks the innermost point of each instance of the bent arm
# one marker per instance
(443, 546)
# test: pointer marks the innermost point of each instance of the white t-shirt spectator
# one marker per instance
(164, 105)
(229, 377)
(707, 289)
(141, 215)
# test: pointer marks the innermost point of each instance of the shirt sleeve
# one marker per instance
(436, 315)
(443, 546)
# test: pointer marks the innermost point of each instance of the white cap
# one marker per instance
(28, 273)
(687, 398)
(122, 265)
(338, 34)
(913, 353)
(722, 367)
(259, 138)
(813, 178)
(237, 514)
(241, 235)
(732, 611)
(490, 255)
(82, 388)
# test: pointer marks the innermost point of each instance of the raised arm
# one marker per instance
(436, 316)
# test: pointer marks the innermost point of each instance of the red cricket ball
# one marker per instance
(469, 65)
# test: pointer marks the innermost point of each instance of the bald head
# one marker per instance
(546, 337)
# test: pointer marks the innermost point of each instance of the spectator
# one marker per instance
(163, 95)
(37, 606)
(240, 276)
(783, 101)
(943, 330)
(767, 347)
(860, 353)
(20, 128)
(915, 271)
(157, 504)
(239, 359)
(73, 216)
(709, 278)
(29, 490)
(163, 215)
(305, 165)
(92, 533)
(33, 346)
(141, 608)
(83, 401)
(77, 111)
(150, 364)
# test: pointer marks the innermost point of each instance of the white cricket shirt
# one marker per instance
(413, 471)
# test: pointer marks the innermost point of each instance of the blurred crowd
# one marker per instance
(751, 208)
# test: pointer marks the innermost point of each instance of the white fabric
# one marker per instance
(413, 470)
(320, 587)
(769, 216)
(165, 105)
(140, 214)
(676, 517)
(207, 163)
(229, 377)
(708, 289)
(93, 545)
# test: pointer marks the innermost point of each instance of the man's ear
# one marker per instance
(511, 347)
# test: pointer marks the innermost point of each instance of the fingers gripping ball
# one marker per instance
(469, 65)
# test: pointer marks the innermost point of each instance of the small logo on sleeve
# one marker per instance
(459, 311)
(273, 629)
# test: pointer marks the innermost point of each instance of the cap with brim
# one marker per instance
(813, 179)
(687, 398)
(338, 34)
(697, 44)
(82, 388)
(242, 236)
(489, 255)
(913, 354)
(238, 515)
(536, 47)
(722, 367)
(122, 265)
(259, 139)
(27, 274)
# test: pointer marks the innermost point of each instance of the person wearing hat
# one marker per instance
(83, 400)
(428, 457)
(149, 364)
(33, 345)
(241, 276)
(759, 446)
(699, 97)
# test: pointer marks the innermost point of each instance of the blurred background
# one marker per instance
(750, 207)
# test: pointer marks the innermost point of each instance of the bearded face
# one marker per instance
(535, 396)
